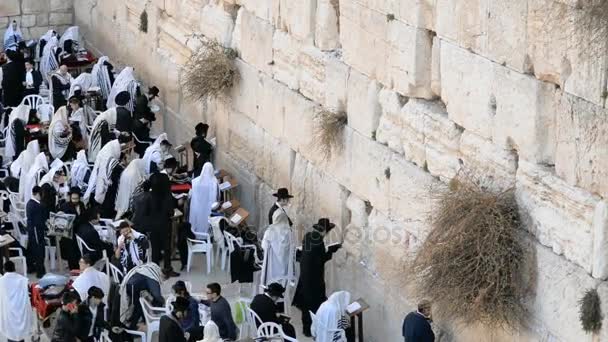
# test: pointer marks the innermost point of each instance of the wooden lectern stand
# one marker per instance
(358, 325)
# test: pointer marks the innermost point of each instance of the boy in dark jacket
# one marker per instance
(67, 326)
(170, 325)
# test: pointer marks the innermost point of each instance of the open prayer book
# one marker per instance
(334, 246)
(357, 307)
(239, 216)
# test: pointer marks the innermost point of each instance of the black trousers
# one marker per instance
(36, 253)
(161, 248)
(306, 319)
(289, 330)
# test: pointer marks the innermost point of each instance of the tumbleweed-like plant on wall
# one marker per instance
(209, 71)
(590, 311)
(471, 264)
(328, 131)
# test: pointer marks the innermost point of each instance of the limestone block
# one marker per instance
(272, 163)
(559, 286)
(217, 24)
(42, 19)
(3, 23)
(271, 111)
(369, 163)
(327, 35)
(252, 38)
(436, 67)
(33, 6)
(390, 127)
(298, 18)
(602, 290)
(582, 137)
(265, 9)
(60, 18)
(559, 215)
(525, 114)
(564, 48)
(38, 31)
(10, 8)
(60, 5)
(462, 21)
(311, 65)
(488, 160)
(336, 83)
(173, 41)
(506, 31)
(363, 108)
(246, 140)
(466, 84)
(600, 241)
(190, 12)
(418, 13)
(298, 128)
(28, 20)
(286, 51)
(358, 211)
(244, 92)
(408, 60)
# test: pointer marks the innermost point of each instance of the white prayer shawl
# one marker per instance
(58, 144)
(131, 177)
(211, 333)
(133, 248)
(83, 82)
(22, 112)
(99, 181)
(9, 37)
(64, 79)
(125, 81)
(31, 179)
(85, 116)
(72, 33)
(56, 166)
(49, 62)
(101, 77)
(108, 117)
(45, 112)
(22, 165)
(91, 277)
(79, 170)
(46, 37)
(328, 315)
(204, 192)
(149, 270)
(154, 153)
(15, 307)
(279, 250)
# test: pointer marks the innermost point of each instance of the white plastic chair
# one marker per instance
(19, 259)
(85, 249)
(222, 251)
(200, 245)
(50, 253)
(15, 220)
(152, 317)
(45, 112)
(318, 325)
(33, 101)
(116, 274)
(270, 330)
(252, 321)
(232, 240)
(141, 142)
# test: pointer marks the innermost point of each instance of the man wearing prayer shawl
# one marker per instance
(81, 84)
(202, 196)
(80, 172)
(22, 165)
(40, 166)
(211, 333)
(102, 132)
(42, 43)
(141, 131)
(131, 247)
(103, 76)
(114, 172)
(331, 316)
(48, 61)
(12, 36)
(124, 121)
(60, 86)
(15, 307)
(142, 101)
(60, 135)
(100, 178)
(56, 179)
(12, 80)
(279, 250)
(15, 142)
(125, 81)
(156, 153)
(90, 277)
(80, 118)
(133, 176)
(310, 292)
(146, 277)
(70, 40)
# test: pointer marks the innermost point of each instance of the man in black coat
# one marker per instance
(12, 78)
(37, 215)
(91, 320)
(264, 305)
(86, 231)
(201, 147)
(67, 327)
(310, 293)
(32, 79)
(170, 328)
(283, 198)
(417, 326)
(124, 121)
(141, 130)
(69, 247)
(142, 101)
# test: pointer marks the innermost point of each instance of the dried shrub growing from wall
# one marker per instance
(328, 131)
(590, 311)
(209, 72)
(471, 263)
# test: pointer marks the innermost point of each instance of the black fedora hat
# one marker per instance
(282, 193)
(181, 304)
(275, 289)
(324, 225)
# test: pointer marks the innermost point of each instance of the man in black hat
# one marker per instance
(282, 203)
(310, 293)
(265, 306)
(32, 79)
(170, 329)
(141, 130)
(124, 123)
(142, 101)
(201, 147)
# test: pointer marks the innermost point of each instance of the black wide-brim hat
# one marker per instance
(148, 115)
(324, 225)
(153, 90)
(282, 193)
(275, 289)
(122, 98)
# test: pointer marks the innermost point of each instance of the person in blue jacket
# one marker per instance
(417, 324)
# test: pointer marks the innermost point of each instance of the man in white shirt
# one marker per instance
(90, 277)
(33, 79)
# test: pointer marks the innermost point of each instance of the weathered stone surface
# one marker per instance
(298, 128)
(252, 38)
(506, 31)
(600, 241)
(10, 8)
(217, 24)
(244, 92)
(327, 35)
(271, 111)
(463, 22)
(60, 18)
(28, 21)
(363, 108)
(60, 5)
(265, 9)
(286, 51)
(436, 67)
(390, 127)
(33, 6)
(559, 215)
(581, 156)
(42, 19)
(298, 18)
(311, 65)
(336, 83)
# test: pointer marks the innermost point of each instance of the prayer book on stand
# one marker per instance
(239, 216)
(357, 307)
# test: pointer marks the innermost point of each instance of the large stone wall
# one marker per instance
(429, 86)
(37, 16)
